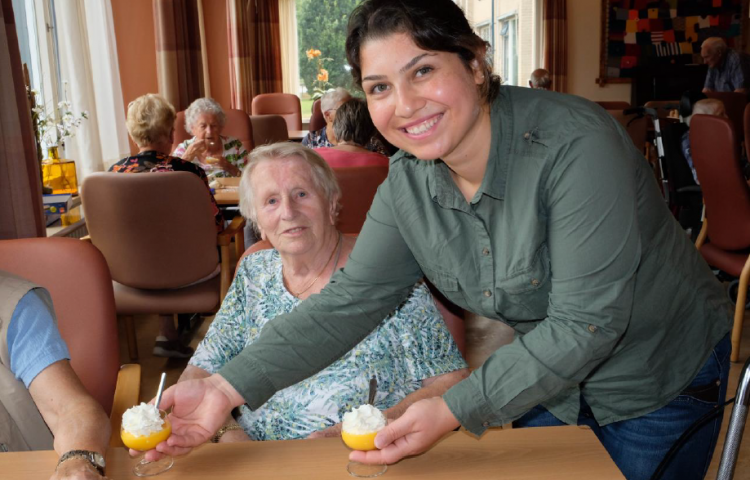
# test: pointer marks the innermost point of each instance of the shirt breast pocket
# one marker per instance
(524, 295)
(446, 283)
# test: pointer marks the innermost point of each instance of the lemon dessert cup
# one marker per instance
(358, 431)
(144, 427)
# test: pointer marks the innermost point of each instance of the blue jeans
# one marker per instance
(638, 445)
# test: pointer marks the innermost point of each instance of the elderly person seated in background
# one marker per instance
(706, 106)
(150, 123)
(219, 156)
(728, 71)
(291, 196)
(326, 136)
(42, 402)
(540, 79)
(354, 128)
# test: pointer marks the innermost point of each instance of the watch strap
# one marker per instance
(96, 459)
(223, 430)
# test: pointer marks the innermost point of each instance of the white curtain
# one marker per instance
(89, 65)
(288, 33)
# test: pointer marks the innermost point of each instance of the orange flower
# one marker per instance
(323, 75)
(312, 53)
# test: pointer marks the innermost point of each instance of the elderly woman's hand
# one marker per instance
(195, 150)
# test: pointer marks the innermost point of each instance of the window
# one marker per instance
(517, 35)
(509, 49)
(37, 41)
(484, 31)
(321, 33)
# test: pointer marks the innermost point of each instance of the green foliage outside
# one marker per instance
(321, 25)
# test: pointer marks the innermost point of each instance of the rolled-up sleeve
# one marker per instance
(378, 276)
(594, 247)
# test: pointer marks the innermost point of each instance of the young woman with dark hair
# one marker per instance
(526, 206)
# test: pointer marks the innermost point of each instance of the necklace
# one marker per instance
(335, 250)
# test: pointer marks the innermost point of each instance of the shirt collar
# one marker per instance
(441, 185)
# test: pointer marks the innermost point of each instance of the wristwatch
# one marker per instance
(96, 459)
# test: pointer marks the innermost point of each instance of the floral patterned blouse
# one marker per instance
(234, 152)
(153, 161)
(411, 345)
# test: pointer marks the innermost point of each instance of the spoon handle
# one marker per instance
(373, 389)
(161, 389)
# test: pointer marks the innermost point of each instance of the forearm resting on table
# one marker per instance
(76, 420)
(431, 387)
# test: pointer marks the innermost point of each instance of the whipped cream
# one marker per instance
(142, 420)
(363, 420)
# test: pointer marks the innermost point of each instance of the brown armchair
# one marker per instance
(358, 187)
(317, 121)
(269, 129)
(158, 235)
(724, 241)
(284, 104)
(734, 106)
(77, 278)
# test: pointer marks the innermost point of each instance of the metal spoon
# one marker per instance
(161, 389)
(373, 389)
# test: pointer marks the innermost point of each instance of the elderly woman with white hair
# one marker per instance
(219, 156)
(326, 136)
(291, 196)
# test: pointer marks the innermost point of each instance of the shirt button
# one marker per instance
(592, 328)
(535, 282)
(527, 135)
(485, 251)
(487, 293)
(485, 424)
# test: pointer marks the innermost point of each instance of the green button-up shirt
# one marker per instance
(567, 240)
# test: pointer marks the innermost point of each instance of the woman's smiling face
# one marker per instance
(424, 102)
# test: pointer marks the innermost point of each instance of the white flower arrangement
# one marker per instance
(55, 126)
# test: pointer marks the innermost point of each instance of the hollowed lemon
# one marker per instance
(359, 442)
(143, 443)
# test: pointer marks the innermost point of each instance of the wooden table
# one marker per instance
(228, 192)
(559, 453)
(297, 135)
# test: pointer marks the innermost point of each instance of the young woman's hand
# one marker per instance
(199, 409)
(423, 424)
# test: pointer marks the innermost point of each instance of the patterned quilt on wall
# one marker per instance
(648, 33)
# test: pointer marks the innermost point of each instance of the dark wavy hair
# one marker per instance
(435, 25)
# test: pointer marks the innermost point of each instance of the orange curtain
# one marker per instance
(556, 43)
(179, 65)
(267, 69)
(21, 213)
(240, 40)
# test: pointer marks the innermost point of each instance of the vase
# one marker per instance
(58, 173)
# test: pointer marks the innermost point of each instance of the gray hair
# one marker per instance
(203, 106)
(332, 98)
(322, 175)
(715, 45)
(540, 79)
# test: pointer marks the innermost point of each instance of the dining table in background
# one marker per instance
(297, 135)
(227, 191)
(559, 453)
